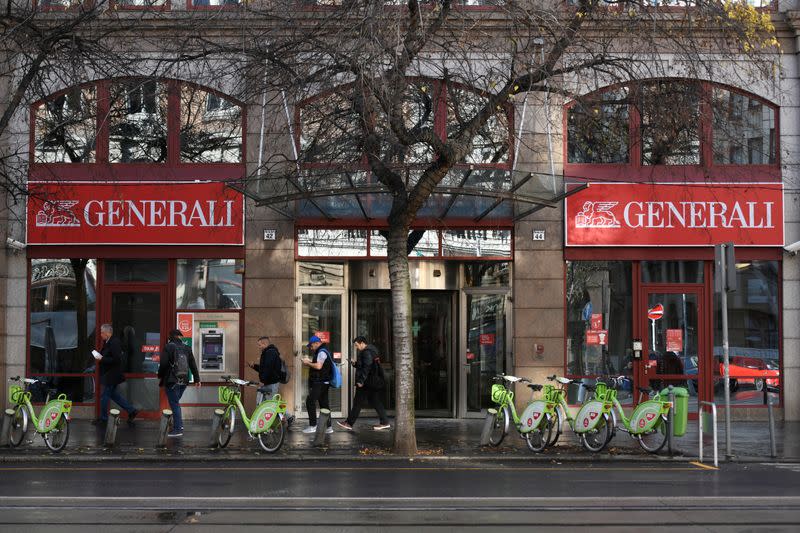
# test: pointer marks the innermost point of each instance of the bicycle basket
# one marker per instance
(228, 394)
(611, 395)
(600, 390)
(16, 394)
(550, 394)
(498, 393)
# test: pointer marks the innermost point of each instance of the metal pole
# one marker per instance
(216, 425)
(726, 359)
(700, 431)
(163, 428)
(5, 433)
(111, 428)
(322, 426)
(772, 447)
(670, 419)
(488, 422)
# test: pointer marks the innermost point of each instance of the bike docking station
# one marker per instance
(110, 437)
(8, 417)
(163, 428)
(701, 428)
(322, 426)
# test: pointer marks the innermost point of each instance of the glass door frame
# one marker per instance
(704, 338)
(460, 363)
(300, 343)
(105, 310)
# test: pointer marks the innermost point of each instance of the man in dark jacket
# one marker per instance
(269, 372)
(367, 390)
(111, 375)
(174, 387)
(319, 380)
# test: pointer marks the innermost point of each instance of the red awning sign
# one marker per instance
(656, 312)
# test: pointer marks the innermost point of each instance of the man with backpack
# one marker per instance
(173, 373)
(370, 382)
(320, 373)
(272, 371)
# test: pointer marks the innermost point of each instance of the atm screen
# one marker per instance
(212, 348)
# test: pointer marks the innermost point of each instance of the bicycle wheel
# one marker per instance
(654, 440)
(272, 439)
(538, 438)
(555, 424)
(226, 427)
(19, 426)
(57, 438)
(500, 427)
(596, 439)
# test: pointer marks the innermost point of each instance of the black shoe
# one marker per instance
(289, 421)
(131, 416)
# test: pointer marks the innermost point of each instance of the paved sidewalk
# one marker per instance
(437, 439)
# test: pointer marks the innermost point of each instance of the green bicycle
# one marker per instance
(534, 433)
(52, 423)
(266, 424)
(649, 422)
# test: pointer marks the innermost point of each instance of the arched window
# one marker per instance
(133, 127)
(673, 129)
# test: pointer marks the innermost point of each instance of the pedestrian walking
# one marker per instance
(319, 379)
(176, 369)
(370, 383)
(111, 360)
(269, 373)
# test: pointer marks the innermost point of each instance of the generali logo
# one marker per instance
(597, 215)
(137, 213)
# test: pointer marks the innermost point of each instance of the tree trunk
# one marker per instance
(405, 436)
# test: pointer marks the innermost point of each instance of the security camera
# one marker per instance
(17, 245)
(793, 248)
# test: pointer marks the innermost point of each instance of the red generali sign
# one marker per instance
(639, 214)
(135, 213)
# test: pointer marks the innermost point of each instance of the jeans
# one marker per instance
(174, 393)
(266, 392)
(317, 393)
(371, 396)
(110, 393)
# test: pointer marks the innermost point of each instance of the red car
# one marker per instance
(752, 370)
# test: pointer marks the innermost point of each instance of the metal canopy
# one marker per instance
(477, 194)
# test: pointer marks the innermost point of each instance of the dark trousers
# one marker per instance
(174, 393)
(317, 393)
(371, 396)
(110, 393)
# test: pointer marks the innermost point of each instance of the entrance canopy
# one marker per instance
(471, 194)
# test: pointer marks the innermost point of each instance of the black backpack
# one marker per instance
(283, 373)
(180, 364)
(376, 380)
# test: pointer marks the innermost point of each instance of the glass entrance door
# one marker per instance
(673, 341)
(432, 332)
(137, 316)
(485, 354)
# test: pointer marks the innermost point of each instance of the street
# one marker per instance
(395, 495)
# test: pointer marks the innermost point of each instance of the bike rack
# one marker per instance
(488, 422)
(163, 428)
(5, 433)
(713, 407)
(216, 424)
(322, 426)
(111, 428)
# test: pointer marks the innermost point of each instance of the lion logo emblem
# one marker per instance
(597, 215)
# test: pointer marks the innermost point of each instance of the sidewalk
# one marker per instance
(437, 439)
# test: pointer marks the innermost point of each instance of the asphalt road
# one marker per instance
(398, 496)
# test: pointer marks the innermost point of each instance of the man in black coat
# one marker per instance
(111, 375)
(173, 387)
(269, 372)
(367, 390)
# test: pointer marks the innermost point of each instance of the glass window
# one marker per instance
(670, 123)
(66, 127)
(322, 316)
(598, 129)
(140, 3)
(59, 4)
(672, 272)
(62, 320)
(492, 143)
(127, 270)
(599, 319)
(313, 274)
(211, 127)
(329, 129)
(417, 109)
(215, 3)
(476, 243)
(487, 274)
(138, 122)
(209, 283)
(332, 243)
(427, 245)
(743, 129)
(753, 335)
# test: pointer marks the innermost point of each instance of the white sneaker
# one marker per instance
(310, 429)
(329, 431)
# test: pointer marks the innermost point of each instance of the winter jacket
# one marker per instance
(364, 363)
(269, 366)
(111, 363)
(165, 374)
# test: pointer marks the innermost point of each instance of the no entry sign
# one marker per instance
(656, 312)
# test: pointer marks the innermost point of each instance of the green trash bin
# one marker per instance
(680, 409)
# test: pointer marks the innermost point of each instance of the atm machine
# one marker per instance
(212, 349)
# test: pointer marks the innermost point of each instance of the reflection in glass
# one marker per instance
(744, 129)
(329, 129)
(125, 270)
(136, 319)
(476, 243)
(62, 319)
(492, 143)
(417, 109)
(599, 299)
(670, 123)
(327, 179)
(428, 244)
(140, 3)
(313, 274)
(486, 340)
(79, 389)
(672, 344)
(142, 393)
(753, 334)
(378, 245)
(331, 243)
(209, 283)
(322, 316)
(138, 122)
(672, 272)
(66, 127)
(598, 129)
(213, 3)
(487, 274)
(211, 127)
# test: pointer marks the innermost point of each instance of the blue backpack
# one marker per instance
(336, 374)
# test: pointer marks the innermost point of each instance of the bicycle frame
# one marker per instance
(51, 412)
(645, 417)
(265, 414)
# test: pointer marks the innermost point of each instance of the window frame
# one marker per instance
(116, 4)
(636, 171)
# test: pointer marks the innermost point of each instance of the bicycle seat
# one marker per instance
(30, 380)
(534, 386)
(239, 381)
(563, 381)
(512, 379)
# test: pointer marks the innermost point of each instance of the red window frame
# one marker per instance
(224, 7)
(115, 4)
